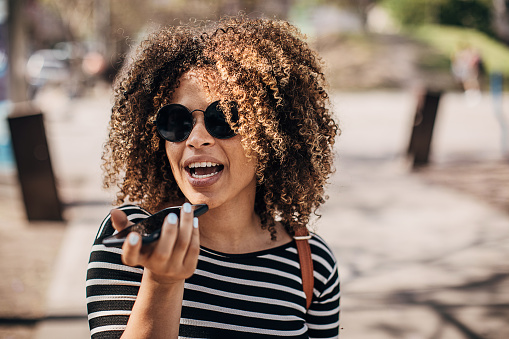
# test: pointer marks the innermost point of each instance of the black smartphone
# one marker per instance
(150, 227)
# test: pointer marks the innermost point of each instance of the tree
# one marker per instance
(362, 7)
(476, 14)
(76, 15)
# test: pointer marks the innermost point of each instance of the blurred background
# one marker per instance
(418, 208)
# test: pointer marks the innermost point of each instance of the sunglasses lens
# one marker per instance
(174, 123)
(216, 123)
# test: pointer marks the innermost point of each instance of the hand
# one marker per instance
(173, 257)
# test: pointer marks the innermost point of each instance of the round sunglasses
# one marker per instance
(175, 122)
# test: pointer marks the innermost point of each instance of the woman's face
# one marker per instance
(209, 170)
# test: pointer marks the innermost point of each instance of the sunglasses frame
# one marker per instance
(207, 116)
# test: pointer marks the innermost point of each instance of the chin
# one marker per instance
(202, 199)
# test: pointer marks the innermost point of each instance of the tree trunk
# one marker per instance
(17, 51)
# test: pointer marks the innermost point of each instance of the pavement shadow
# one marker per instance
(452, 314)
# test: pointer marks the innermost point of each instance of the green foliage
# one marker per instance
(447, 39)
(412, 12)
(464, 13)
(433, 60)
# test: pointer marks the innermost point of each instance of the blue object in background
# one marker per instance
(496, 83)
(496, 87)
(6, 156)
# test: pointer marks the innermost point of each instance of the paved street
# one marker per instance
(416, 259)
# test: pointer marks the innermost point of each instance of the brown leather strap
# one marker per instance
(306, 263)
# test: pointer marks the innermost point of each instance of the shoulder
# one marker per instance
(321, 249)
(134, 213)
(324, 261)
(111, 286)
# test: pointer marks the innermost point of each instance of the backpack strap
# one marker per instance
(306, 263)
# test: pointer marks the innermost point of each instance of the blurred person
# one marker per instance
(93, 63)
(466, 67)
(232, 114)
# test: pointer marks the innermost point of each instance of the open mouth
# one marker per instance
(202, 170)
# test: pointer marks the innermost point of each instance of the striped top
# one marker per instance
(253, 295)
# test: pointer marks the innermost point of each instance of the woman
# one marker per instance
(232, 115)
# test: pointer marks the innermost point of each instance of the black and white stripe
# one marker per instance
(254, 295)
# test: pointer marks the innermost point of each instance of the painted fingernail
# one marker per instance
(134, 238)
(172, 218)
(195, 222)
(187, 207)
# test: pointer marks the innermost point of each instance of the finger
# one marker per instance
(119, 219)
(193, 251)
(164, 247)
(185, 231)
(131, 250)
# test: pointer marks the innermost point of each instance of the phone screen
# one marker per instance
(150, 227)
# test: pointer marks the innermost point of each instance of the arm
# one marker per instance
(156, 312)
(112, 287)
(167, 263)
(322, 317)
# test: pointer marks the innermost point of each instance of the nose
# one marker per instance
(199, 136)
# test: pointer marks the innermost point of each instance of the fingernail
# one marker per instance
(195, 222)
(187, 207)
(172, 218)
(134, 238)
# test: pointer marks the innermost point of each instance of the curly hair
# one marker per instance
(276, 79)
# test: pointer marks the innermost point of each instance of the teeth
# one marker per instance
(202, 164)
(194, 175)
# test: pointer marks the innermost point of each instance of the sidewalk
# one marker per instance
(45, 263)
(416, 260)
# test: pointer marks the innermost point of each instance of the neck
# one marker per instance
(232, 229)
